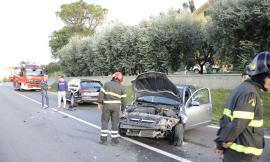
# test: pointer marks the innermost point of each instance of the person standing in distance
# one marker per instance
(62, 88)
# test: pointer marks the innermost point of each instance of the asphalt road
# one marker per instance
(32, 134)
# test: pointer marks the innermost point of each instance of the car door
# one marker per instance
(71, 88)
(199, 108)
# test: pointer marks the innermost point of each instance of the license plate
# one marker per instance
(91, 94)
(94, 94)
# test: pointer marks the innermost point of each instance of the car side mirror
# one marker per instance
(195, 103)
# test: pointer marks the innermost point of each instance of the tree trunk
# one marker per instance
(201, 69)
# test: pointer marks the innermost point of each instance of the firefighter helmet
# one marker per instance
(260, 64)
(118, 76)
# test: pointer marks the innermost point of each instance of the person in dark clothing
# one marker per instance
(44, 94)
(62, 88)
(112, 102)
(241, 136)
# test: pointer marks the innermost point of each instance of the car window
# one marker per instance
(90, 84)
(17, 71)
(158, 99)
(202, 97)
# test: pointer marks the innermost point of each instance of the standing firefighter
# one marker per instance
(241, 136)
(112, 101)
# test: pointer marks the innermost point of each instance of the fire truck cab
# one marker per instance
(27, 77)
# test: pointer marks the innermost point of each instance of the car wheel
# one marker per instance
(122, 131)
(196, 71)
(16, 86)
(20, 87)
(73, 101)
(178, 135)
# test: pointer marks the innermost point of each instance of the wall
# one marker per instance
(213, 81)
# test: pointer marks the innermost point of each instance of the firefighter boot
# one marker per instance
(103, 140)
(115, 141)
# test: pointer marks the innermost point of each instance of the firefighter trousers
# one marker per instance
(233, 156)
(110, 112)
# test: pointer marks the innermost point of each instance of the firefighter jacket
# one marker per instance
(112, 93)
(242, 120)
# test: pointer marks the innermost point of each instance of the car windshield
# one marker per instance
(158, 100)
(90, 84)
(33, 72)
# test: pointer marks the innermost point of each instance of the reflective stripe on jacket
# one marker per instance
(113, 93)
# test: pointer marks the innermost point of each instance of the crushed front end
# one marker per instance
(147, 125)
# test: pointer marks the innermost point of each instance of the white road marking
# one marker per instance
(217, 127)
(178, 158)
(213, 126)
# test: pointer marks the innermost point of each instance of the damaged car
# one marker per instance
(160, 110)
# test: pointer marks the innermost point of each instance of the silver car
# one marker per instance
(159, 110)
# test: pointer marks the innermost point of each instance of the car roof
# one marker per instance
(89, 80)
(85, 80)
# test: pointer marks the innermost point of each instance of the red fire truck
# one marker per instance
(27, 77)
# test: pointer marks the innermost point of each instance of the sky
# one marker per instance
(27, 24)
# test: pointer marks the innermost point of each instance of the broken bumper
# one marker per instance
(147, 125)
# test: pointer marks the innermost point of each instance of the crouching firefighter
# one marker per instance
(112, 102)
(241, 136)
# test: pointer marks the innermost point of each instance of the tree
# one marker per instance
(81, 20)
(189, 5)
(58, 39)
(117, 50)
(24, 62)
(80, 14)
(204, 50)
(53, 67)
(240, 29)
(163, 43)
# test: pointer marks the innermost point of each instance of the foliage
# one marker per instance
(240, 29)
(59, 39)
(80, 14)
(81, 20)
(163, 43)
(52, 67)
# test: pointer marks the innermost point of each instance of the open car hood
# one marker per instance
(154, 84)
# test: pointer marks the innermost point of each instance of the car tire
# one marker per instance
(178, 135)
(15, 86)
(20, 87)
(196, 71)
(73, 102)
(121, 131)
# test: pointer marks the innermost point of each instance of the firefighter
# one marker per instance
(112, 102)
(241, 136)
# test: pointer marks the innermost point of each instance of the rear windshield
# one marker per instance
(90, 84)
